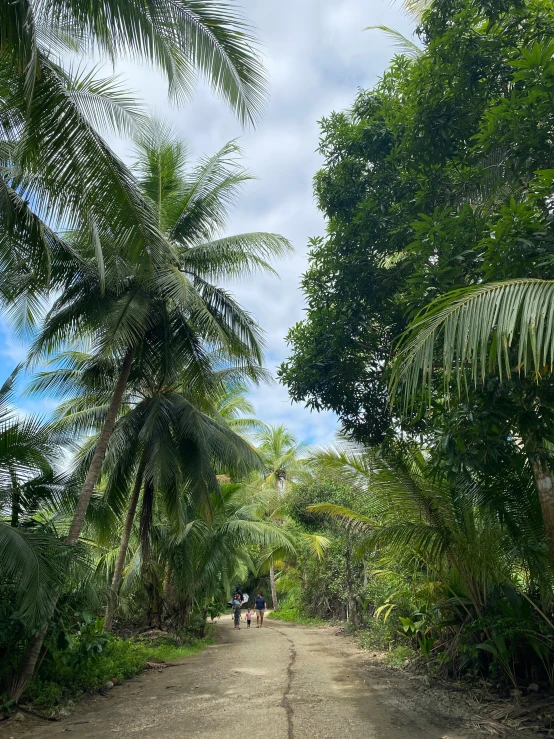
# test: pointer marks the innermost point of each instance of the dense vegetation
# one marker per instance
(429, 332)
(152, 491)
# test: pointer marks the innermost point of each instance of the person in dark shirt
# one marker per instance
(236, 610)
(260, 610)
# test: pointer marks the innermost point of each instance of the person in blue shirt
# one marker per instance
(260, 610)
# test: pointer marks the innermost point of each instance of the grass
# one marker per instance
(62, 681)
(398, 656)
(294, 615)
(170, 652)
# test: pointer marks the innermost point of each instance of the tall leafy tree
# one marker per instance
(428, 185)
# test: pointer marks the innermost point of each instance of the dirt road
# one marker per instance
(279, 682)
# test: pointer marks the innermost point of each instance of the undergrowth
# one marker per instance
(294, 615)
(62, 681)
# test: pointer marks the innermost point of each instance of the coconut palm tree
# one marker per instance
(136, 312)
(207, 567)
(284, 461)
(30, 555)
(174, 305)
(234, 408)
(25, 452)
(193, 569)
(170, 436)
(179, 451)
(56, 169)
(502, 329)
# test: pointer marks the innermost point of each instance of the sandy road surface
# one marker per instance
(279, 682)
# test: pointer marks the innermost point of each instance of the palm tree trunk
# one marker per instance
(30, 657)
(545, 490)
(29, 660)
(273, 588)
(16, 500)
(349, 585)
(166, 591)
(123, 546)
(202, 630)
(100, 450)
(167, 583)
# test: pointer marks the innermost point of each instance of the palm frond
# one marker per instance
(104, 102)
(405, 46)
(239, 256)
(478, 328)
(32, 561)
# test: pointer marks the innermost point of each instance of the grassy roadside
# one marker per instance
(293, 615)
(170, 652)
(63, 683)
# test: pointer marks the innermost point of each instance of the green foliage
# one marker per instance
(170, 651)
(59, 681)
(294, 615)
(437, 188)
(432, 182)
(399, 655)
(378, 634)
(92, 658)
(439, 576)
(53, 156)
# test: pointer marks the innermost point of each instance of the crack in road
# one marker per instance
(285, 700)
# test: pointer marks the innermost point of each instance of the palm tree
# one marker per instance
(180, 450)
(136, 312)
(413, 516)
(174, 305)
(177, 448)
(192, 569)
(207, 565)
(171, 436)
(25, 452)
(56, 169)
(233, 407)
(30, 554)
(284, 461)
(502, 328)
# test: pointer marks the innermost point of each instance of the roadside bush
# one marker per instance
(61, 679)
(378, 634)
(89, 659)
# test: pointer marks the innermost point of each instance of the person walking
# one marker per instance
(248, 618)
(260, 610)
(236, 611)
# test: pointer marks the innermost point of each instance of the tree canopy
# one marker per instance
(437, 179)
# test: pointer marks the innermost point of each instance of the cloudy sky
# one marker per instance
(317, 55)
